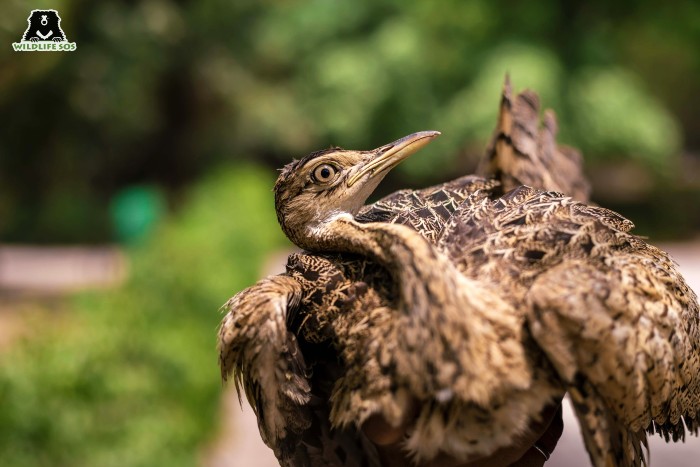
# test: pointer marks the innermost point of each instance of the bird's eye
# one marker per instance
(324, 173)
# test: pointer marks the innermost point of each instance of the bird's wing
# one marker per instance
(264, 358)
(522, 153)
(260, 343)
(624, 336)
(621, 327)
(612, 314)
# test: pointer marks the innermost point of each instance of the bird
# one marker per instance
(483, 299)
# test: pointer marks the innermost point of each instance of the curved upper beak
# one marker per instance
(390, 155)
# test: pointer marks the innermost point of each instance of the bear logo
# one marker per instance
(44, 34)
(44, 25)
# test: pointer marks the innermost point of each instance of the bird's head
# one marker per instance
(311, 191)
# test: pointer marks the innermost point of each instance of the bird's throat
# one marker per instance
(415, 264)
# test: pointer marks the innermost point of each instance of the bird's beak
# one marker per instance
(390, 155)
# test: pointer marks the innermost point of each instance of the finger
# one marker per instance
(381, 433)
(549, 439)
(532, 458)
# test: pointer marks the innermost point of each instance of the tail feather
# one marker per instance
(523, 153)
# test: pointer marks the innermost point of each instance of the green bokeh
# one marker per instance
(135, 211)
(130, 377)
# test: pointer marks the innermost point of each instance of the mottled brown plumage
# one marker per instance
(523, 153)
(482, 299)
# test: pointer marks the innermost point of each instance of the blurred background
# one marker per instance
(136, 175)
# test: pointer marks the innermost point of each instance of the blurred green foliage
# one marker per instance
(160, 91)
(130, 377)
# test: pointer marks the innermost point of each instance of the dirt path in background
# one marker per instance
(238, 443)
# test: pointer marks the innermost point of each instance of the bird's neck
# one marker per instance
(423, 274)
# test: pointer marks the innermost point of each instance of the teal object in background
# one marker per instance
(135, 211)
